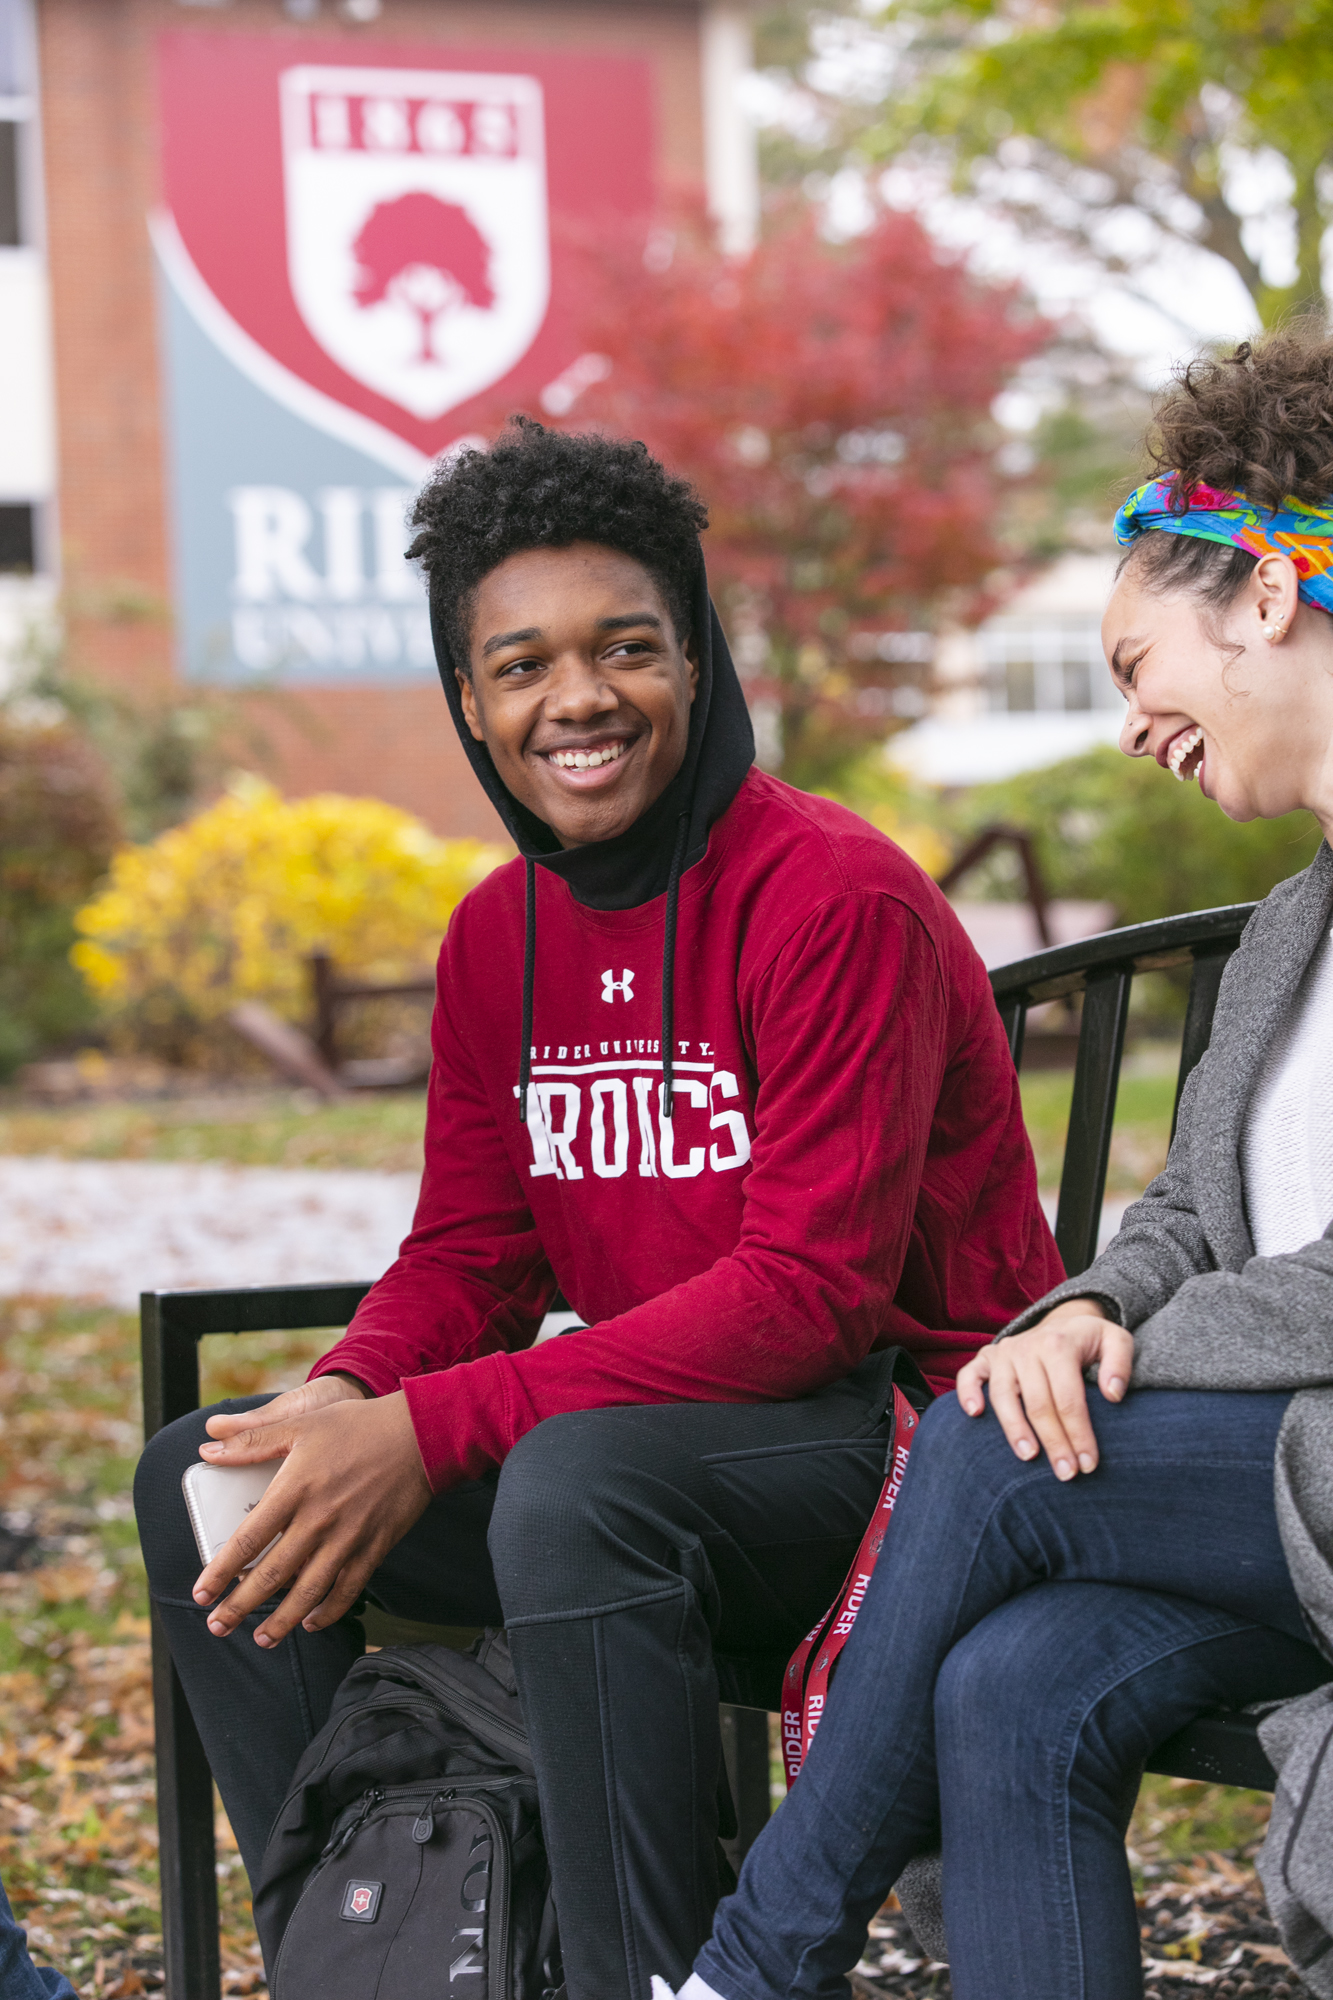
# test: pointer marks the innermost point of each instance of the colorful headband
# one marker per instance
(1303, 533)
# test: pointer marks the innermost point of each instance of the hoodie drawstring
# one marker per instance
(668, 974)
(529, 979)
(669, 967)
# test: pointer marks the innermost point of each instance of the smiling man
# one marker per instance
(715, 1059)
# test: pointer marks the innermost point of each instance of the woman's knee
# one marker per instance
(956, 1458)
(989, 1691)
(1090, 1675)
(1020, 1675)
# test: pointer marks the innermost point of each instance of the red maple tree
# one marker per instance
(832, 403)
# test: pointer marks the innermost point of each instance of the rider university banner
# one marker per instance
(359, 247)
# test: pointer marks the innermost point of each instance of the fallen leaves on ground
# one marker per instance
(78, 1833)
(78, 1826)
(1202, 1916)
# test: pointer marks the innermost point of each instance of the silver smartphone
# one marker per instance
(218, 1498)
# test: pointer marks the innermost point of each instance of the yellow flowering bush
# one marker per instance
(229, 907)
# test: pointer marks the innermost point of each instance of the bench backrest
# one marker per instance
(173, 1323)
(1102, 970)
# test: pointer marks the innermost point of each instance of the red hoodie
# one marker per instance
(847, 1165)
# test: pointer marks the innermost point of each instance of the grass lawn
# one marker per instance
(293, 1128)
(77, 1828)
(1142, 1120)
(78, 1832)
(259, 1128)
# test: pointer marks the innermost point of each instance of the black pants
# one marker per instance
(622, 1548)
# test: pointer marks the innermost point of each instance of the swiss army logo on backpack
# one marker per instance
(361, 1902)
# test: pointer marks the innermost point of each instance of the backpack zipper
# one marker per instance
(335, 1847)
(423, 1829)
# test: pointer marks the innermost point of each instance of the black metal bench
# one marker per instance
(1217, 1749)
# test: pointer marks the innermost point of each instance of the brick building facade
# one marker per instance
(107, 101)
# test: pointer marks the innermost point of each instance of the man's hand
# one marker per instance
(352, 1486)
(1036, 1383)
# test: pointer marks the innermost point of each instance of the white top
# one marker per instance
(1286, 1153)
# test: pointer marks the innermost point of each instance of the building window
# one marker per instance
(16, 111)
(18, 540)
(15, 29)
(1020, 688)
(1045, 669)
(1077, 683)
(10, 233)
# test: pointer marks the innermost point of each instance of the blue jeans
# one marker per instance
(20, 1979)
(1023, 1648)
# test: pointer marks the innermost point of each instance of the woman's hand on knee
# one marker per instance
(1037, 1388)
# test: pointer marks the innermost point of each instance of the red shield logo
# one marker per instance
(360, 1901)
(417, 241)
(372, 232)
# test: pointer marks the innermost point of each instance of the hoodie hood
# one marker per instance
(637, 865)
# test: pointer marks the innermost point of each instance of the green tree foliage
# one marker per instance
(166, 750)
(1097, 111)
(1125, 832)
(58, 826)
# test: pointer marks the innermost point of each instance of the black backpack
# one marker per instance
(407, 1858)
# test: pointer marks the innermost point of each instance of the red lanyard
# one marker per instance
(805, 1685)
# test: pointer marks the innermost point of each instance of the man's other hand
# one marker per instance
(1036, 1383)
(246, 1447)
(352, 1485)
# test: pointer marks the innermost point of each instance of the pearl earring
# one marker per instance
(1273, 633)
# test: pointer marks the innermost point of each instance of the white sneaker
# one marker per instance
(693, 1989)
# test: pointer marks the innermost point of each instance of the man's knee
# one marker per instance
(551, 1482)
(581, 1511)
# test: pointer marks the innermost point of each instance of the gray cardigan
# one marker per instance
(1206, 1313)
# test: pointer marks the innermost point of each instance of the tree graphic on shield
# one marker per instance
(425, 254)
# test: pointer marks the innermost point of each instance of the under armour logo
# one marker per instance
(624, 986)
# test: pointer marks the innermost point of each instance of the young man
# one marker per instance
(714, 1058)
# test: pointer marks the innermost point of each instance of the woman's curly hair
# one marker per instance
(1258, 421)
(540, 489)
